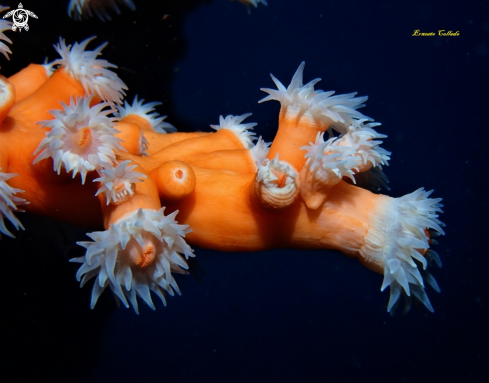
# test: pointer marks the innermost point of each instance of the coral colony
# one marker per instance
(72, 149)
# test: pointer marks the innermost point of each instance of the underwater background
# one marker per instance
(281, 315)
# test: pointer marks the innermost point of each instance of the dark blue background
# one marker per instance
(282, 315)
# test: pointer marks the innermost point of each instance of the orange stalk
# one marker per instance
(221, 210)
(145, 197)
(158, 141)
(28, 80)
(131, 134)
(175, 180)
(238, 160)
(295, 130)
(139, 121)
(59, 87)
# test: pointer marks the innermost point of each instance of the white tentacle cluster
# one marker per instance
(234, 124)
(90, 71)
(332, 158)
(81, 137)
(327, 163)
(267, 172)
(260, 151)
(397, 239)
(147, 112)
(362, 140)
(117, 184)
(135, 256)
(8, 203)
(4, 26)
(338, 111)
(276, 184)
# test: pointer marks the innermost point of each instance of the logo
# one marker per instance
(20, 17)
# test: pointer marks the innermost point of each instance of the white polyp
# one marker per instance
(234, 124)
(92, 72)
(337, 111)
(9, 203)
(362, 140)
(65, 142)
(135, 256)
(327, 163)
(260, 151)
(79, 9)
(330, 160)
(147, 112)
(276, 185)
(395, 239)
(268, 170)
(117, 184)
(4, 26)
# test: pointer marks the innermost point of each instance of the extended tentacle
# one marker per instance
(4, 26)
(9, 203)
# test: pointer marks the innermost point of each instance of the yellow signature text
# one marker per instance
(441, 32)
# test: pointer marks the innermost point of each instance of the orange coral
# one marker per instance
(226, 192)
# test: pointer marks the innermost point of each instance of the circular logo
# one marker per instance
(20, 17)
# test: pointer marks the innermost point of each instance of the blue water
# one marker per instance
(282, 315)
